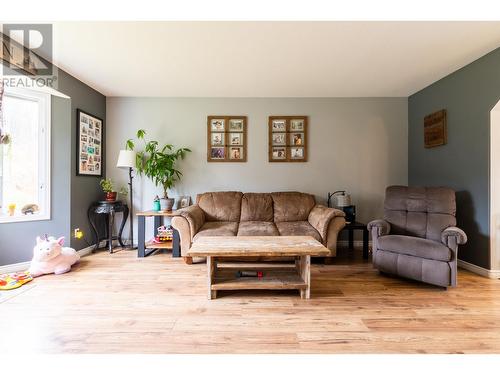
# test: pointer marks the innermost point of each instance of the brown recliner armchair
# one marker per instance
(418, 238)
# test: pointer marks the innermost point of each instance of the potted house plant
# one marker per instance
(107, 187)
(159, 164)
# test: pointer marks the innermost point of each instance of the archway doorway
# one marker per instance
(495, 189)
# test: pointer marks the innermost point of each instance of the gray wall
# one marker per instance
(468, 95)
(357, 144)
(70, 195)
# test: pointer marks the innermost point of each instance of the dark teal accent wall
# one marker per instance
(17, 239)
(70, 195)
(84, 189)
(468, 95)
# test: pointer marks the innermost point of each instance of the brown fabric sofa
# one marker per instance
(418, 238)
(232, 213)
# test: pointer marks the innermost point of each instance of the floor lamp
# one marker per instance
(126, 159)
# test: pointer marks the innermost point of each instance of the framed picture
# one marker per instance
(296, 125)
(226, 138)
(218, 153)
(236, 125)
(218, 124)
(435, 132)
(218, 139)
(279, 153)
(287, 138)
(297, 152)
(296, 139)
(89, 157)
(236, 153)
(236, 139)
(279, 139)
(279, 125)
(183, 201)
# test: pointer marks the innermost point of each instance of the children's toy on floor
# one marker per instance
(164, 234)
(14, 280)
(49, 256)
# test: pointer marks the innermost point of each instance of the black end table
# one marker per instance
(350, 228)
(108, 209)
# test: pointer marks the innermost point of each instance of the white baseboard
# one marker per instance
(491, 274)
(23, 266)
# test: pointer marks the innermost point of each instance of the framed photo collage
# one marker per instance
(227, 139)
(288, 138)
(90, 154)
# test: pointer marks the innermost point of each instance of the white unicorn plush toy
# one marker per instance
(49, 256)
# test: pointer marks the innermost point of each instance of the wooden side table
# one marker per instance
(144, 248)
(109, 209)
(350, 228)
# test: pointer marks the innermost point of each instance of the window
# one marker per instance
(25, 158)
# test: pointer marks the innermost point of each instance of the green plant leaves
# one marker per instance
(141, 133)
(129, 145)
(107, 185)
(158, 163)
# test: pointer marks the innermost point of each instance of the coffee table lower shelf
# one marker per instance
(270, 280)
(292, 276)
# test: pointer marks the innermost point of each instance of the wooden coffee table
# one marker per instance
(222, 251)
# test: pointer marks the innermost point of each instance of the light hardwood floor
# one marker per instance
(121, 304)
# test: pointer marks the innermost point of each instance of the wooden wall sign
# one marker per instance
(435, 133)
(288, 139)
(227, 139)
(14, 53)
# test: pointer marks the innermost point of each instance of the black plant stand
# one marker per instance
(108, 209)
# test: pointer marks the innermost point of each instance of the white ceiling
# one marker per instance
(268, 59)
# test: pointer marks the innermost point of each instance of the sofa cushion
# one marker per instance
(292, 206)
(297, 228)
(217, 228)
(415, 246)
(420, 211)
(256, 207)
(257, 228)
(221, 205)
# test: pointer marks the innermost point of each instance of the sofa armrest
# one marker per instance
(320, 218)
(379, 228)
(453, 236)
(181, 225)
(195, 217)
(336, 225)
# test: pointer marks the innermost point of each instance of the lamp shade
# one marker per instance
(126, 159)
(343, 200)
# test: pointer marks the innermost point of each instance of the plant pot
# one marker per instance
(156, 206)
(166, 204)
(111, 196)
